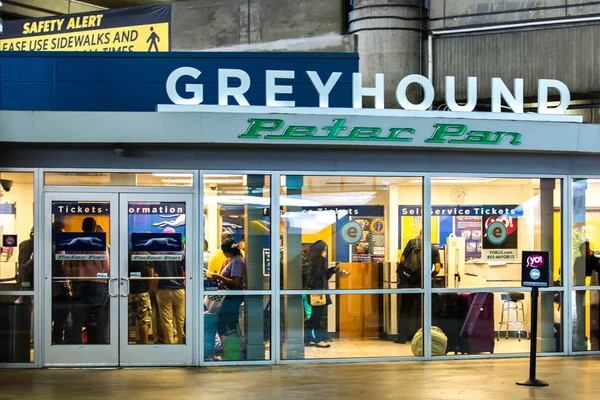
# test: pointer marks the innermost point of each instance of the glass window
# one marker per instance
(80, 272)
(16, 329)
(156, 270)
(16, 231)
(238, 207)
(356, 226)
(481, 226)
(351, 326)
(170, 179)
(586, 320)
(494, 323)
(237, 327)
(586, 231)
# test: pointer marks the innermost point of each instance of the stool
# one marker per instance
(512, 306)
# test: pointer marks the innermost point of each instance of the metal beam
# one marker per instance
(46, 8)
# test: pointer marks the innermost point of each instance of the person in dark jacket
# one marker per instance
(315, 329)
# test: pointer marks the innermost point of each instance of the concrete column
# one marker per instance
(293, 308)
(546, 340)
(391, 258)
(389, 41)
(254, 305)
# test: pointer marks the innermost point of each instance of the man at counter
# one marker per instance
(410, 272)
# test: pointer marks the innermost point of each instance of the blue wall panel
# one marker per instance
(136, 82)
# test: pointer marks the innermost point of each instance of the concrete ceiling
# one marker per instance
(12, 9)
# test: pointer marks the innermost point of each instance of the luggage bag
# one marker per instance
(477, 333)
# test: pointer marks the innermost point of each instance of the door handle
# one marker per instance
(125, 293)
(110, 292)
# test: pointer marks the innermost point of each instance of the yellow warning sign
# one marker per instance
(139, 29)
(137, 38)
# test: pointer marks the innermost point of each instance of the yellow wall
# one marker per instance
(325, 235)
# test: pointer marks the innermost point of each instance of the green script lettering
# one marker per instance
(394, 132)
(516, 137)
(295, 132)
(476, 137)
(364, 133)
(335, 128)
(443, 130)
(261, 125)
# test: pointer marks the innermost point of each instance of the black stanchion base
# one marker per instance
(533, 382)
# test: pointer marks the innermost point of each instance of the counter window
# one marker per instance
(481, 226)
(16, 267)
(586, 266)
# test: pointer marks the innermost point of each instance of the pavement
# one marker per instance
(569, 378)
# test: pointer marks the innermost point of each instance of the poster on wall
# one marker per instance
(371, 246)
(158, 221)
(144, 28)
(501, 241)
(469, 228)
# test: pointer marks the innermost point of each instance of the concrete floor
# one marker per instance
(569, 378)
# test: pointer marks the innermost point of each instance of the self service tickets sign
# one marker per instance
(143, 28)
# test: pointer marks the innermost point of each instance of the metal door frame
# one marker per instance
(78, 355)
(159, 354)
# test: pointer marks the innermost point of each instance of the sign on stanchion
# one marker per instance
(535, 273)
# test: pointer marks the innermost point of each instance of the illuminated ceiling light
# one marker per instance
(222, 181)
(456, 180)
(188, 181)
(173, 175)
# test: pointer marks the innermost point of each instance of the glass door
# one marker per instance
(154, 275)
(81, 279)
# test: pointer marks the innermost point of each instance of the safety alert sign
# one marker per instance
(140, 29)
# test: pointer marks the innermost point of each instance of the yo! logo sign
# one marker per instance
(535, 261)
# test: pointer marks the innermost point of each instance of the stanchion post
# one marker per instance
(535, 274)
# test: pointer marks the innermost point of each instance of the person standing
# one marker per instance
(139, 299)
(90, 294)
(61, 293)
(217, 261)
(26, 265)
(232, 277)
(410, 274)
(315, 329)
(171, 297)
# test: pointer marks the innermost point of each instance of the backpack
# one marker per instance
(25, 276)
(412, 265)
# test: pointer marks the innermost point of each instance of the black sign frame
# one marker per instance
(535, 269)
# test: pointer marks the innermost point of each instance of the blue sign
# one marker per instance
(9, 240)
(485, 211)
(8, 208)
(81, 241)
(156, 242)
(266, 262)
(75, 208)
(342, 211)
(211, 285)
(175, 209)
(51, 81)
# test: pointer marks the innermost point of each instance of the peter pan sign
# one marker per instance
(276, 129)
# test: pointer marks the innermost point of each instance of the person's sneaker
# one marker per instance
(310, 344)
(323, 345)
(400, 340)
